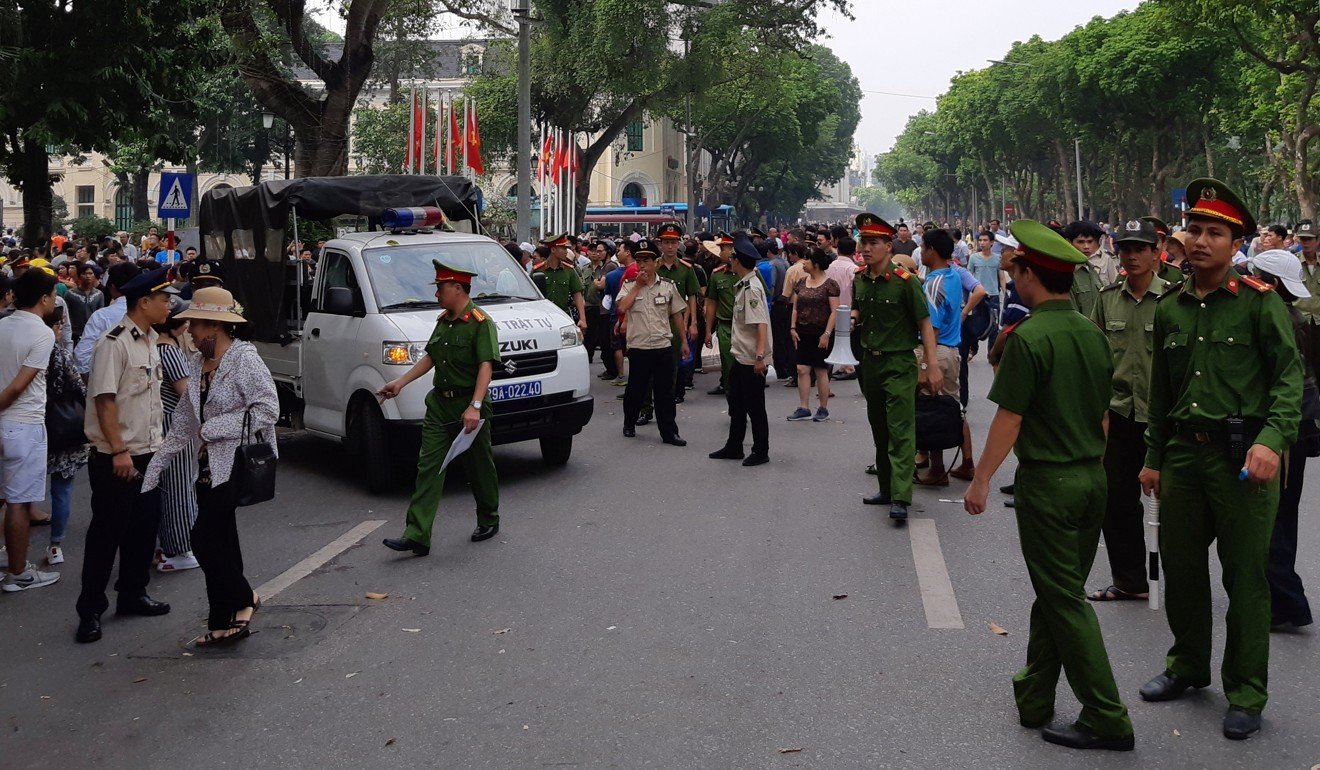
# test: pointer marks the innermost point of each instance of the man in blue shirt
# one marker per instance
(613, 281)
(944, 293)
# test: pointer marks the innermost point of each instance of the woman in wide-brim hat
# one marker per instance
(228, 382)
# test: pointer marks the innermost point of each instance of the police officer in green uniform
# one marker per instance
(891, 316)
(563, 283)
(1125, 312)
(719, 308)
(1225, 401)
(1170, 273)
(462, 350)
(670, 238)
(1053, 389)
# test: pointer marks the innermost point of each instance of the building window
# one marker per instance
(471, 61)
(634, 133)
(124, 208)
(634, 195)
(86, 200)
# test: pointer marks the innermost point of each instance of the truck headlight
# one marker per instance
(403, 353)
(569, 336)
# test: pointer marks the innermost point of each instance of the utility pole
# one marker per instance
(689, 163)
(521, 10)
(1077, 146)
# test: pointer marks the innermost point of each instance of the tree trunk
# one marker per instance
(38, 197)
(141, 186)
(1065, 174)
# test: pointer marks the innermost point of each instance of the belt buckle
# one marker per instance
(1201, 437)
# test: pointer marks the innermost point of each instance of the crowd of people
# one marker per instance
(135, 370)
(1140, 358)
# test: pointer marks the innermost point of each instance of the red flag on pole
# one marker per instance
(408, 143)
(547, 154)
(474, 141)
(561, 160)
(455, 139)
(439, 131)
(415, 157)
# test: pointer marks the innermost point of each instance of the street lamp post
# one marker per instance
(1077, 146)
(521, 10)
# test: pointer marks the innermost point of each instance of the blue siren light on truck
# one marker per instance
(412, 217)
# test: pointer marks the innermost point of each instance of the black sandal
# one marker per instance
(1116, 594)
(211, 640)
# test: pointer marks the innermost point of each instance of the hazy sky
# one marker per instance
(914, 48)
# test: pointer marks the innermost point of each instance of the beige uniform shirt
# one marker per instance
(749, 310)
(1310, 307)
(125, 363)
(648, 318)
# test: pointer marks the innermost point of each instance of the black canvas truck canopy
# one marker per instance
(244, 227)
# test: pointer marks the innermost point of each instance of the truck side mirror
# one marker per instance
(538, 278)
(339, 301)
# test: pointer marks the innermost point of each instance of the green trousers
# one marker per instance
(1202, 502)
(1060, 510)
(443, 421)
(889, 384)
(724, 333)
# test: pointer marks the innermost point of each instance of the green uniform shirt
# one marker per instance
(1229, 354)
(1056, 373)
(720, 291)
(890, 308)
(683, 277)
(1085, 289)
(458, 347)
(1170, 273)
(561, 283)
(589, 273)
(1310, 307)
(1128, 324)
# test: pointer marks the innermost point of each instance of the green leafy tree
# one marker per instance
(378, 138)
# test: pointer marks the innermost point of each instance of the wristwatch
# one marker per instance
(760, 358)
(924, 367)
(476, 405)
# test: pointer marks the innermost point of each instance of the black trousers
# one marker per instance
(1125, 542)
(746, 397)
(781, 338)
(595, 337)
(215, 544)
(125, 521)
(648, 370)
(1287, 597)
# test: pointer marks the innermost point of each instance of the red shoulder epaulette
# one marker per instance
(720, 269)
(1257, 284)
(684, 261)
(861, 269)
(477, 314)
(538, 265)
(1009, 329)
(901, 273)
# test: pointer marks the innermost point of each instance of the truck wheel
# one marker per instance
(556, 449)
(368, 442)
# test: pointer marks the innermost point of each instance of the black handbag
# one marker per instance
(64, 423)
(254, 467)
(939, 422)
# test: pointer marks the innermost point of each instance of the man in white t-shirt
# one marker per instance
(25, 347)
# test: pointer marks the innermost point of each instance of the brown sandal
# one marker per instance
(1116, 594)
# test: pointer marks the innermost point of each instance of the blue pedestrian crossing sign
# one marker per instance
(176, 192)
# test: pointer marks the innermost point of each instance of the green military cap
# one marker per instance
(444, 272)
(1158, 224)
(1139, 231)
(556, 240)
(756, 232)
(1045, 248)
(1212, 199)
(1306, 229)
(669, 231)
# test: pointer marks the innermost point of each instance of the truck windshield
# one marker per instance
(403, 276)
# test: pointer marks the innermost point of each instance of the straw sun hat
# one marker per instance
(214, 304)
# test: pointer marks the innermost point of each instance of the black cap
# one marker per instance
(209, 272)
(1139, 231)
(147, 283)
(645, 248)
(743, 246)
(121, 273)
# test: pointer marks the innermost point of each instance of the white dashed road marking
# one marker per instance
(314, 562)
(933, 577)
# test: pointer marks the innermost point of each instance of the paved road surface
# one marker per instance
(643, 607)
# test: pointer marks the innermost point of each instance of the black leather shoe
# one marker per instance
(141, 605)
(485, 533)
(1006, 490)
(1240, 724)
(726, 454)
(630, 433)
(675, 440)
(404, 544)
(644, 418)
(1010, 502)
(89, 629)
(898, 511)
(755, 459)
(878, 498)
(718, 391)
(678, 399)
(1164, 687)
(1077, 737)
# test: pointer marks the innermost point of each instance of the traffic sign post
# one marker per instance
(176, 194)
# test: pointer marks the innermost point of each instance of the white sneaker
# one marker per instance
(29, 579)
(54, 555)
(185, 560)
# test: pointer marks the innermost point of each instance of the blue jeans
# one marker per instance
(61, 491)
